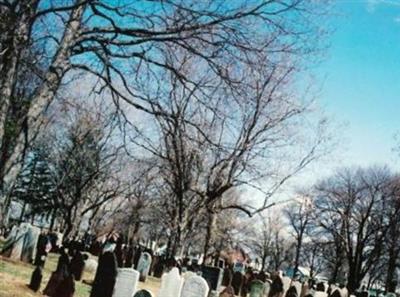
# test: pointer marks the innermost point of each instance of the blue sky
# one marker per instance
(361, 80)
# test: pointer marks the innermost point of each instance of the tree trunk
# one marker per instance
(391, 280)
(297, 257)
(212, 218)
(42, 96)
(353, 280)
(263, 260)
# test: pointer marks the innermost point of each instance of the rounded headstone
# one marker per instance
(143, 293)
(195, 286)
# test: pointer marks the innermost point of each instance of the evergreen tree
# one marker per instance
(35, 187)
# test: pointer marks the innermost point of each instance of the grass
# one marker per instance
(15, 275)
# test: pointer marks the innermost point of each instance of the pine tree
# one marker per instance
(35, 186)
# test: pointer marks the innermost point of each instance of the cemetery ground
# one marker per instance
(15, 276)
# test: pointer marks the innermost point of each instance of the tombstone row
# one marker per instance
(172, 285)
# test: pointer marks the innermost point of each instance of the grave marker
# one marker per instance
(213, 275)
(227, 278)
(257, 288)
(237, 282)
(171, 284)
(143, 266)
(31, 238)
(195, 286)
(143, 293)
(126, 283)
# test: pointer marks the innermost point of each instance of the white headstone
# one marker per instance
(320, 294)
(144, 265)
(286, 284)
(126, 283)
(188, 274)
(91, 265)
(267, 287)
(171, 284)
(344, 292)
(298, 287)
(195, 286)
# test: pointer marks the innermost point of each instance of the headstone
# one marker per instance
(137, 253)
(298, 286)
(286, 281)
(91, 265)
(15, 242)
(171, 284)
(188, 274)
(213, 275)
(262, 276)
(228, 292)
(106, 275)
(143, 293)
(320, 294)
(77, 265)
(239, 267)
(227, 278)
(129, 257)
(159, 267)
(30, 242)
(237, 282)
(36, 279)
(257, 288)
(126, 284)
(267, 287)
(195, 286)
(344, 292)
(304, 289)
(143, 266)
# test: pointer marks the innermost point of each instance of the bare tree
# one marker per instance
(349, 208)
(299, 215)
(122, 45)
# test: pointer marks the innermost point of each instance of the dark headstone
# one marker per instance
(237, 282)
(213, 276)
(336, 293)
(227, 278)
(136, 257)
(106, 274)
(262, 276)
(119, 253)
(129, 257)
(143, 293)
(77, 265)
(63, 259)
(36, 279)
(159, 267)
(276, 286)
